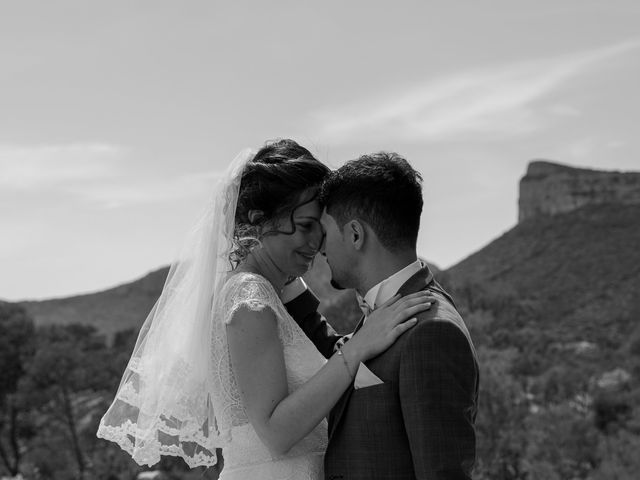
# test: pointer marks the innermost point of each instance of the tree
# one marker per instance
(619, 456)
(65, 382)
(16, 349)
(562, 443)
(503, 406)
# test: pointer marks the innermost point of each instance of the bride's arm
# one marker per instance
(281, 418)
(304, 310)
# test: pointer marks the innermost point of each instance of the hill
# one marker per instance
(572, 262)
(553, 308)
(576, 275)
(119, 308)
(126, 306)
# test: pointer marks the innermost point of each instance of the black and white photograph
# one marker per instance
(293, 240)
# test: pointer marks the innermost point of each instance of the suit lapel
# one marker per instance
(359, 325)
(421, 280)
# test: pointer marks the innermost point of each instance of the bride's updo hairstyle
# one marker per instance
(273, 182)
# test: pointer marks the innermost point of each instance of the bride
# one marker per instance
(219, 363)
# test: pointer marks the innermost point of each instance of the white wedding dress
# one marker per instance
(245, 456)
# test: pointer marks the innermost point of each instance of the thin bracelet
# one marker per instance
(344, 360)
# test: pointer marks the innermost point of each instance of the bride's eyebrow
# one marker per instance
(306, 217)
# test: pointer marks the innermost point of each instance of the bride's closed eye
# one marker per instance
(304, 226)
(309, 225)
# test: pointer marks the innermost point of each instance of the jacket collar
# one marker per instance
(418, 281)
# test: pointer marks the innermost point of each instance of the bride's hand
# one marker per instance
(386, 323)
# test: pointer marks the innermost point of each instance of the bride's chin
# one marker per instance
(300, 270)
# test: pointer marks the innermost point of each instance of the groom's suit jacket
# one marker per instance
(419, 423)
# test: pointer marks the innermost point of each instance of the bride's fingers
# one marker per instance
(408, 302)
(391, 301)
(414, 296)
(403, 327)
(398, 301)
(413, 300)
(412, 311)
(389, 322)
(418, 294)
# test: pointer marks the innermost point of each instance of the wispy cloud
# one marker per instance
(493, 102)
(49, 167)
(128, 192)
(104, 175)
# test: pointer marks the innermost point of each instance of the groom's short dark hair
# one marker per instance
(381, 189)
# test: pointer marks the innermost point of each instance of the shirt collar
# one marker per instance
(387, 288)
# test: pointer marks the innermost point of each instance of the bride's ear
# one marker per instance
(255, 216)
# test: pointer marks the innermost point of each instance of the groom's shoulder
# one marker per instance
(441, 320)
(441, 311)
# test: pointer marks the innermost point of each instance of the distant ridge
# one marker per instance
(119, 308)
(574, 264)
(127, 306)
(550, 188)
(579, 272)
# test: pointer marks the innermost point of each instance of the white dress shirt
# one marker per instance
(387, 288)
(375, 297)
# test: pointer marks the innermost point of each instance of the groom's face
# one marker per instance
(336, 251)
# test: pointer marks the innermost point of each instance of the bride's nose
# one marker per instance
(316, 239)
(314, 242)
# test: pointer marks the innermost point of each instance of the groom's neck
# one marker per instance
(381, 265)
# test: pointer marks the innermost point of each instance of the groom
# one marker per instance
(411, 410)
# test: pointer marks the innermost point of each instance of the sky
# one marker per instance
(116, 117)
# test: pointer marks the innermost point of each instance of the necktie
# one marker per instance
(364, 306)
(366, 311)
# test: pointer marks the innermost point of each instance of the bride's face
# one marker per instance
(293, 253)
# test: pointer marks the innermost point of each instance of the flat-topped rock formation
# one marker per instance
(550, 188)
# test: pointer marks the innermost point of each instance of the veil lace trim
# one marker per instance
(171, 400)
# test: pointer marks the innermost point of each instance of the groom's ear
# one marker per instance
(356, 234)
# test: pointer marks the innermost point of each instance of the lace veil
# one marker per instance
(166, 402)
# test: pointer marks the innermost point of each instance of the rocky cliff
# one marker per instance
(550, 188)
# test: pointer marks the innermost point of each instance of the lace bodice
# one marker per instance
(302, 361)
